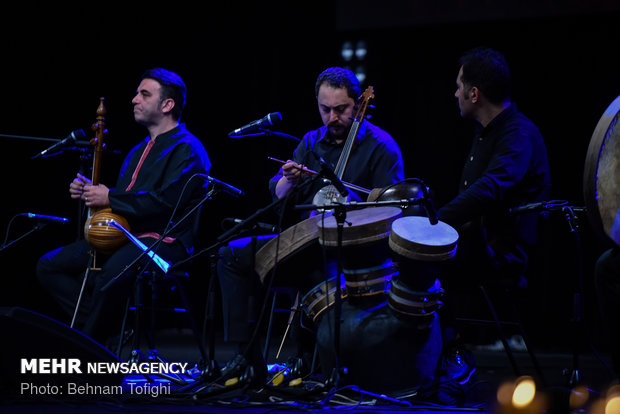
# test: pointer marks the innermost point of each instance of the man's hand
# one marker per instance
(96, 195)
(76, 188)
(291, 174)
(93, 195)
(292, 171)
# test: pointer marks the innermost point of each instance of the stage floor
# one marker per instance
(493, 369)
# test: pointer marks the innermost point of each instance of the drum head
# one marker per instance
(602, 175)
(366, 226)
(414, 237)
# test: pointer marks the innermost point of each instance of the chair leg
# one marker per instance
(211, 367)
(139, 317)
(292, 315)
(526, 340)
(192, 320)
(138, 312)
(123, 325)
(525, 337)
(500, 330)
(269, 326)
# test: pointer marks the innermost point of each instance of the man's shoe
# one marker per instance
(291, 374)
(459, 365)
(456, 370)
(239, 372)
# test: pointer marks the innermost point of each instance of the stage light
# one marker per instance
(504, 393)
(613, 405)
(360, 72)
(578, 397)
(614, 390)
(361, 50)
(347, 51)
(524, 392)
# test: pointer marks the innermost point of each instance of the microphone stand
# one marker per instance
(77, 142)
(211, 372)
(37, 226)
(162, 237)
(229, 235)
(266, 132)
(577, 316)
(340, 214)
(81, 145)
(83, 156)
(577, 308)
(154, 258)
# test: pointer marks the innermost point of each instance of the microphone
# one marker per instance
(269, 119)
(328, 173)
(539, 206)
(71, 138)
(44, 218)
(430, 210)
(226, 187)
(271, 228)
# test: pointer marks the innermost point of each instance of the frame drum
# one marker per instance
(601, 178)
(285, 245)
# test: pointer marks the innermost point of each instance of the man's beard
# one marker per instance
(340, 133)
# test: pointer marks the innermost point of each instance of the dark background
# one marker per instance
(241, 62)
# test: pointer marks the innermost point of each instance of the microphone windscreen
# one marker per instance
(79, 134)
(275, 117)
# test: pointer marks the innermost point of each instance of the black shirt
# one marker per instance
(375, 161)
(147, 199)
(506, 167)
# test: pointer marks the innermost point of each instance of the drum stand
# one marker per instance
(574, 377)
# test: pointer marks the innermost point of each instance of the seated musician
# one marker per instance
(374, 162)
(149, 190)
(506, 167)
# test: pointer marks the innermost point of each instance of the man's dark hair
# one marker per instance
(338, 78)
(172, 87)
(487, 70)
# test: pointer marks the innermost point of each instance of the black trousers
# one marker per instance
(241, 289)
(100, 314)
(243, 294)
